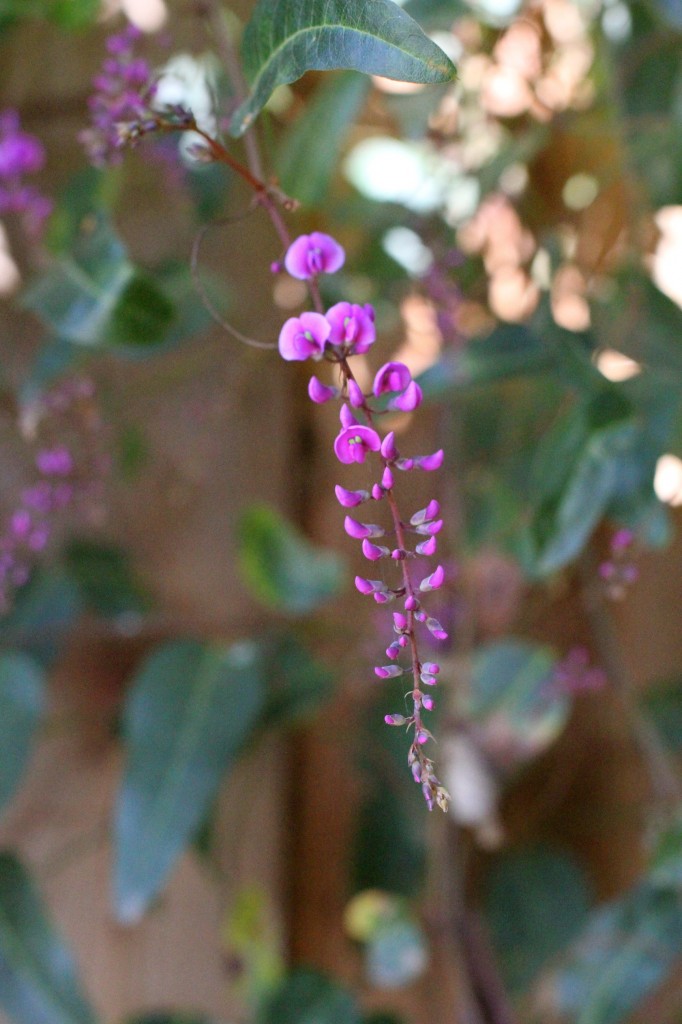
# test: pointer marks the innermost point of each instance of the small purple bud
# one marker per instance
(393, 650)
(363, 585)
(403, 641)
(355, 395)
(395, 720)
(422, 736)
(387, 479)
(621, 540)
(383, 596)
(20, 524)
(373, 551)
(399, 555)
(388, 671)
(276, 267)
(405, 465)
(427, 679)
(427, 547)
(37, 541)
(388, 448)
(434, 581)
(428, 703)
(420, 616)
(432, 667)
(399, 621)
(348, 419)
(411, 603)
(349, 499)
(428, 795)
(430, 462)
(434, 627)
(361, 530)
(377, 492)
(55, 461)
(430, 528)
(319, 392)
(424, 515)
(416, 770)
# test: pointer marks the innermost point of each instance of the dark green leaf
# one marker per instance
(22, 696)
(38, 981)
(283, 569)
(297, 684)
(309, 152)
(626, 951)
(43, 612)
(105, 578)
(664, 706)
(68, 14)
(536, 901)
(286, 38)
(307, 997)
(190, 709)
(93, 295)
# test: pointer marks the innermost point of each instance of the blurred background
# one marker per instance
(519, 232)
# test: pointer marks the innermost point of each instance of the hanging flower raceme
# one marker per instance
(343, 331)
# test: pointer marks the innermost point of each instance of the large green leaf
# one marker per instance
(283, 569)
(43, 612)
(69, 14)
(22, 694)
(93, 295)
(38, 981)
(627, 949)
(190, 709)
(286, 38)
(307, 997)
(536, 901)
(309, 152)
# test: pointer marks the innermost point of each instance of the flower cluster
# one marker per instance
(122, 105)
(618, 572)
(64, 474)
(21, 154)
(335, 335)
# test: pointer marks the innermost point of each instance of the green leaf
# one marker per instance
(44, 611)
(22, 696)
(309, 152)
(536, 901)
(68, 14)
(105, 578)
(38, 981)
(307, 997)
(663, 704)
(283, 569)
(177, 1017)
(297, 684)
(626, 951)
(190, 710)
(511, 698)
(286, 38)
(93, 295)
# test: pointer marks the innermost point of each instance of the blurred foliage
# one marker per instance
(518, 217)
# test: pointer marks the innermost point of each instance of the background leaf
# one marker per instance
(536, 901)
(38, 982)
(307, 997)
(22, 696)
(190, 709)
(283, 569)
(286, 38)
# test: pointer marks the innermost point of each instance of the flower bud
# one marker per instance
(349, 499)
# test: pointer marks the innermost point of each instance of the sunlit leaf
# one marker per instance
(190, 709)
(307, 997)
(512, 702)
(309, 152)
(536, 901)
(286, 38)
(38, 980)
(283, 569)
(22, 697)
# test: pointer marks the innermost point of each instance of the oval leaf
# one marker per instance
(22, 691)
(283, 569)
(286, 38)
(189, 712)
(38, 982)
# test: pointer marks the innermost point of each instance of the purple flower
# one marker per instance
(303, 336)
(352, 326)
(56, 461)
(391, 377)
(319, 392)
(354, 442)
(314, 254)
(21, 154)
(349, 499)
(410, 399)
